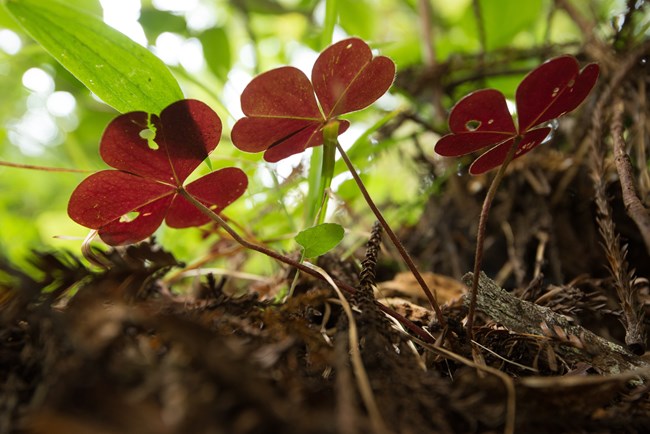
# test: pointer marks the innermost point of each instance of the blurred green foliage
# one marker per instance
(213, 48)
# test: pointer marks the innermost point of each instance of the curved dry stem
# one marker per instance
(363, 382)
(480, 233)
(396, 242)
(286, 260)
(87, 252)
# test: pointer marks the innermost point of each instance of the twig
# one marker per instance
(396, 242)
(633, 205)
(525, 317)
(641, 125)
(542, 237)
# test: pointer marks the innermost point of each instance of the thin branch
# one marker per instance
(529, 318)
(396, 242)
(633, 205)
(641, 125)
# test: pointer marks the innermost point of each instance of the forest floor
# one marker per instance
(124, 353)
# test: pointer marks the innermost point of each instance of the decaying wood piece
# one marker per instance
(524, 317)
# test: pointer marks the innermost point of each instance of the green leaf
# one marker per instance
(331, 12)
(505, 19)
(355, 19)
(155, 22)
(216, 50)
(320, 239)
(124, 74)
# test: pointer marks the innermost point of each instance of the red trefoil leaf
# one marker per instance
(286, 112)
(128, 204)
(481, 119)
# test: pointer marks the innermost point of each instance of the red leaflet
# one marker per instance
(481, 119)
(128, 204)
(285, 112)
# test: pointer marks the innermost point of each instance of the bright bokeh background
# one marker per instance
(214, 48)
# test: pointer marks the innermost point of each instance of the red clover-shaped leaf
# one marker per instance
(285, 112)
(128, 204)
(481, 119)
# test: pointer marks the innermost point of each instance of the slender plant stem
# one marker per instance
(480, 234)
(247, 244)
(330, 137)
(43, 168)
(396, 242)
(286, 260)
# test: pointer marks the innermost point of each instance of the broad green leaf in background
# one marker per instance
(319, 239)
(355, 18)
(122, 73)
(505, 19)
(155, 22)
(217, 52)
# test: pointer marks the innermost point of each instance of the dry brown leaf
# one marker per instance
(446, 289)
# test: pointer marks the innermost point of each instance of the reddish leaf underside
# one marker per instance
(481, 119)
(215, 190)
(108, 195)
(186, 132)
(128, 205)
(131, 229)
(298, 142)
(482, 111)
(347, 78)
(284, 92)
(478, 120)
(554, 88)
(283, 116)
(496, 155)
